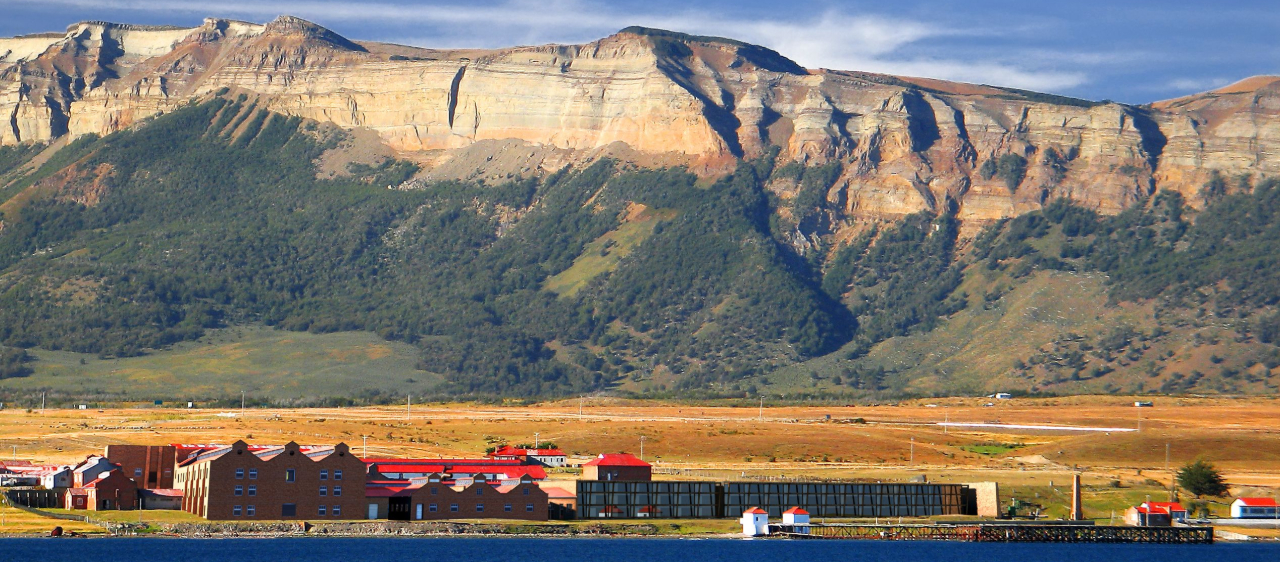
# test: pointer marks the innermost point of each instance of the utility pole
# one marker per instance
(15, 452)
(242, 403)
(946, 424)
(579, 406)
(1172, 479)
(913, 452)
(408, 405)
(641, 447)
(366, 445)
(761, 415)
(43, 395)
(536, 442)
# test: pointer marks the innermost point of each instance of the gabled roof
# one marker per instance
(755, 511)
(554, 492)
(796, 511)
(1167, 507)
(505, 451)
(1257, 502)
(616, 459)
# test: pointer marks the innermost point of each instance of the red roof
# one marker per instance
(505, 451)
(168, 492)
(558, 493)
(509, 471)
(1166, 507)
(755, 511)
(616, 459)
(1257, 502)
(796, 511)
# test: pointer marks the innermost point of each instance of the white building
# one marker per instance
(1254, 508)
(798, 519)
(755, 522)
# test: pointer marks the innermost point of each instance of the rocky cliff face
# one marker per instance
(905, 144)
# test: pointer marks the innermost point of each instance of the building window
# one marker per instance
(239, 473)
(337, 510)
(479, 508)
(324, 475)
(337, 490)
(528, 507)
(253, 490)
(324, 491)
(526, 491)
(453, 507)
(137, 473)
(289, 510)
(433, 491)
(506, 507)
(479, 491)
(337, 475)
(320, 511)
(235, 511)
(431, 508)
(249, 511)
(239, 490)
(253, 474)
(289, 475)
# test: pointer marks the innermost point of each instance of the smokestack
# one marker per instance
(1077, 510)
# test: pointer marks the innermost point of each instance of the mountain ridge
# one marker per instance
(656, 98)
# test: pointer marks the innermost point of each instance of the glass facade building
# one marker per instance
(690, 500)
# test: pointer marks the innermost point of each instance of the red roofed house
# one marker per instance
(1255, 508)
(508, 471)
(798, 518)
(110, 490)
(1155, 514)
(545, 457)
(617, 467)
(755, 522)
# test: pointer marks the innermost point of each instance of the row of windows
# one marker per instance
(249, 511)
(253, 490)
(287, 510)
(479, 507)
(289, 474)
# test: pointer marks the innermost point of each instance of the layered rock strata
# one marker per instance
(905, 144)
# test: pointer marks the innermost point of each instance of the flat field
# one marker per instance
(879, 443)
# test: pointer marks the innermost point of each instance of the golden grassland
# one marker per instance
(884, 443)
(14, 521)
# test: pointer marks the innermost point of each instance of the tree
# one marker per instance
(1202, 479)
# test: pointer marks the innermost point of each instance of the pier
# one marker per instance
(999, 533)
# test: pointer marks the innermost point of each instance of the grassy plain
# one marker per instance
(877, 443)
(261, 361)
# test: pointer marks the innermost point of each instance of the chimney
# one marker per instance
(1077, 510)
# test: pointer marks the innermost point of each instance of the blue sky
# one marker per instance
(1133, 51)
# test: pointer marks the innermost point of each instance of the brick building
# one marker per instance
(110, 490)
(238, 482)
(617, 467)
(151, 466)
(430, 498)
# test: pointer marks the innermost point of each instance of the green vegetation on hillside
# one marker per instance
(598, 278)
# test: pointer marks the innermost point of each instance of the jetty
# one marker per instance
(983, 532)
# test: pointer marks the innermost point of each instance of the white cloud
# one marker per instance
(1196, 85)
(829, 40)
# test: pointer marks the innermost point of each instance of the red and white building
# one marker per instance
(1255, 508)
(1155, 514)
(545, 457)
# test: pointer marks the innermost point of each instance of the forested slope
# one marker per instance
(213, 216)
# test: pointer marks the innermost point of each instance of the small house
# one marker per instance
(755, 522)
(1254, 508)
(797, 519)
(1155, 514)
(617, 467)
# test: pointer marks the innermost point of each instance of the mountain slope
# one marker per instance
(655, 98)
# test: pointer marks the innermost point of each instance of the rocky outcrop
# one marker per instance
(905, 144)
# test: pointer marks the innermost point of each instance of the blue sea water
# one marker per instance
(602, 550)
